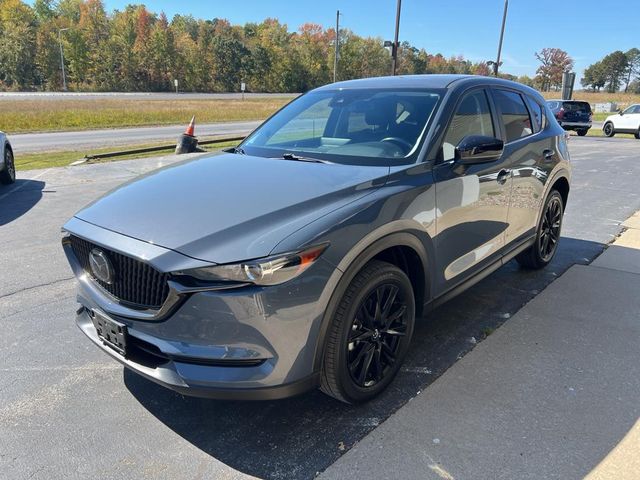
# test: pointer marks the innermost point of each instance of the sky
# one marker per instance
(586, 29)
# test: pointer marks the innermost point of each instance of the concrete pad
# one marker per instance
(633, 221)
(620, 258)
(629, 238)
(552, 394)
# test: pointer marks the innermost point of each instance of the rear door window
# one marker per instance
(514, 114)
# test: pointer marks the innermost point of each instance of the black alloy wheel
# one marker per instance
(547, 236)
(374, 340)
(608, 129)
(369, 334)
(550, 229)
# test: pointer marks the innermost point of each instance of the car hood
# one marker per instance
(225, 208)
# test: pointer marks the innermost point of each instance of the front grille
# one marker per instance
(135, 283)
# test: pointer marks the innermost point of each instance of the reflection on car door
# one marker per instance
(471, 200)
(530, 153)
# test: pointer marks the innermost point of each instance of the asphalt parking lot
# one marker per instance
(68, 411)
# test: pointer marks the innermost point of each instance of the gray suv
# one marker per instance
(302, 257)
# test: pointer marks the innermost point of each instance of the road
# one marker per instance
(52, 141)
(68, 411)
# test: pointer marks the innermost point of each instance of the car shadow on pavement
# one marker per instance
(18, 199)
(297, 438)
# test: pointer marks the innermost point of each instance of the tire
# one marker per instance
(8, 173)
(540, 254)
(637, 134)
(582, 132)
(608, 130)
(362, 355)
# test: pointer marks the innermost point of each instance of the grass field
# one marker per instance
(22, 116)
(33, 161)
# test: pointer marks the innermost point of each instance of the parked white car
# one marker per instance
(627, 121)
(7, 165)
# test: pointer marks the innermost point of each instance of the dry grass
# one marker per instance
(622, 99)
(20, 116)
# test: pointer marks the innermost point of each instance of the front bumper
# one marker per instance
(192, 378)
(244, 343)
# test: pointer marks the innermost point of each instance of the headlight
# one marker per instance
(265, 271)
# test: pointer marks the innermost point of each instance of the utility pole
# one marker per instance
(64, 78)
(396, 45)
(337, 46)
(496, 65)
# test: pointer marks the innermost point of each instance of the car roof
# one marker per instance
(419, 81)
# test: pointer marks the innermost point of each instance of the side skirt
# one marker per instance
(488, 270)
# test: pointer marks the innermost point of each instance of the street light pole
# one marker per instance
(337, 46)
(64, 78)
(394, 51)
(504, 20)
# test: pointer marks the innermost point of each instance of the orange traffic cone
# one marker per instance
(188, 143)
(192, 125)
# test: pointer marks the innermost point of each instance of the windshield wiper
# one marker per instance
(237, 150)
(298, 158)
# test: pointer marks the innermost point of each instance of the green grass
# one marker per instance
(22, 116)
(32, 161)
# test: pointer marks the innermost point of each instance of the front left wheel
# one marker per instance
(369, 335)
(8, 173)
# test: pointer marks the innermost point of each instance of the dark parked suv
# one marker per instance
(302, 257)
(572, 115)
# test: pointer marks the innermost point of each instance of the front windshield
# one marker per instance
(373, 126)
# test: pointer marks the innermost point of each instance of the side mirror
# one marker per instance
(620, 112)
(474, 149)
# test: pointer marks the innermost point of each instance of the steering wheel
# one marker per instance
(398, 140)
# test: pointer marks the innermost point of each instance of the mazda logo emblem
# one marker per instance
(101, 266)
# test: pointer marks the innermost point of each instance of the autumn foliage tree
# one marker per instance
(554, 62)
(136, 49)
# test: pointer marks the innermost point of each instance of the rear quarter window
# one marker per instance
(537, 113)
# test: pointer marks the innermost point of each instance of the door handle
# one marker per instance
(503, 175)
(548, 154)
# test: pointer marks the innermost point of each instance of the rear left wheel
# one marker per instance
(369, 335)
(582, 132)
(637, 134)
(8, 173)
(540, 254)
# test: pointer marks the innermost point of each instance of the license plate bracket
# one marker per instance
(113, 334)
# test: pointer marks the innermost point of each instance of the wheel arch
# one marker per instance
(403, 249)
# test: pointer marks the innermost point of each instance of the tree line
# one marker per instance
(616, 70)
(135, 49)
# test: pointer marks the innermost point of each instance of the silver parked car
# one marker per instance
(7, 163)
(302, 257)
